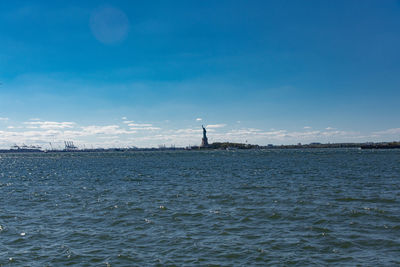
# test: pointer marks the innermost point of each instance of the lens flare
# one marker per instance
(109, 25)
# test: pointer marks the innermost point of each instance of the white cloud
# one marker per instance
(124, 118)
(4, 119)
(216, 125)
(24, 136)
(145, 128)
(188, 131)
(43, 134)
(109, 130)
(147, 135)
(388, 131)
(284, 136)
(140, 124)
(199, 119)
(307, 127)
(107, 137)
(49, 124)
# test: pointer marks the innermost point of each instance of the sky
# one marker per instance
(149, 73)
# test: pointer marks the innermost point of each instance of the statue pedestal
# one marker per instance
(204, 142)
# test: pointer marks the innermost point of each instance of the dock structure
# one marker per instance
(69, 146)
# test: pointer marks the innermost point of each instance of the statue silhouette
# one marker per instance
(204, 141)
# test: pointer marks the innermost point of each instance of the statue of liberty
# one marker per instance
(204, 140)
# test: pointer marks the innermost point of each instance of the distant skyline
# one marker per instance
(130, 73)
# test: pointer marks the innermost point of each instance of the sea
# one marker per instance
(312, 207)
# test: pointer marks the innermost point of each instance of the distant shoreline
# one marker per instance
(221, 146)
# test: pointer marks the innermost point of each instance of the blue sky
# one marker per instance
(127, 73)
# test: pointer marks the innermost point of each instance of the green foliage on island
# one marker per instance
(320, 145)
(228, 145)
(385, 145)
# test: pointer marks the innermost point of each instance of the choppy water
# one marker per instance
(300, 207)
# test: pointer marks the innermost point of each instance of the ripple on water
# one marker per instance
(319, 207)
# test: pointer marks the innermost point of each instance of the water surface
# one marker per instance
(230, 208)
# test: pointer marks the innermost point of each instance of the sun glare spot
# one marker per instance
(109, 25)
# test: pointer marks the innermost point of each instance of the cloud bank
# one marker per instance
(127, 133)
